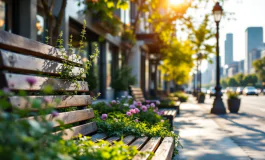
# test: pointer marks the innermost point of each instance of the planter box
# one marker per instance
(233, 105)
(201, 99)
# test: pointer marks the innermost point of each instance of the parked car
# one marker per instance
(239, 90)
(250, 90)
(212, 92)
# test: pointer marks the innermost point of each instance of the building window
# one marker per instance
(40, 28)
(2, 15)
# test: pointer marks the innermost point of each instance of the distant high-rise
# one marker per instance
(254, 40)
(229, 49)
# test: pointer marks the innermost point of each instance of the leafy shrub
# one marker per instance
(34, 139)
(122, 125)
(128, 106)
(122, 79)
(181, 96)
(232, 95)
(166, 104)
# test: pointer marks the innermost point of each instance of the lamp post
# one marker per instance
(218, 105)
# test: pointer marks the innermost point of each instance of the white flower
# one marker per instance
(130, 97)
(122, 96)
(126, 104)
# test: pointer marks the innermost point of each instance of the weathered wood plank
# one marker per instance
(139, 142)
(19, 82)
(112, 139)
(24, 45)
(98, 136)
(128, 139)
(150, 146)
(69, 117)
(64, 101)
(165, 149)
(84, 129)
(18, 62)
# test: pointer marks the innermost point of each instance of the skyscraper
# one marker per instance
(254, 40)
(229, 49)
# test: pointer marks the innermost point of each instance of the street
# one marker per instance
(251, 105)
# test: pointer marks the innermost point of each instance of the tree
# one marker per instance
(232, 82)
(259, 66)
(54, 21)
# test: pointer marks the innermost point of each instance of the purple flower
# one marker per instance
(113, 102)
(162, 112)
(132, 111)
(159, 113)
(144, 108)
(153, 105)
(135, 103)
(31, 80)
(137, 110)
(147, 101)
(6, 90)
(139, 104)
(128, 114)
(148, 106)
(47, 99)
(130, 97)
(55, 113)
(157, 102)
(104, 116)
(132, 106)
(136, 120)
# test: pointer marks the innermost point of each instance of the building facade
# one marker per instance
(229, 49)
(253, 40)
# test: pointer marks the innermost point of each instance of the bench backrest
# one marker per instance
(22, 59)
(137, 94)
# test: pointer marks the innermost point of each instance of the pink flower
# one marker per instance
(31, 80)
(144, 108)
(113, 102)
(162, 121)
(137, 110)
(148, 106)
(132, 111)
(157, 102)
(139, 104)
(162, 112)
(55, 113)
(104, 116)
(153, 105)
(132, 106)
(136, 120)
(47, 99)
(147, 101)
(128, 114)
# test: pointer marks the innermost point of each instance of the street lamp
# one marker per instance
(218, 105)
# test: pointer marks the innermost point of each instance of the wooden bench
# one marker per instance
(138, 96)
(22, 58)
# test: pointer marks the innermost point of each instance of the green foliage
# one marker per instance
(34, 138)
(128, 37)
(118, 124)
(122, 79)
(166, 104)
(232, 95)
(240, 80)
(259, 66)
(181, 96)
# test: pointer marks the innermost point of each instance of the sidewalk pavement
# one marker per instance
(208, 137)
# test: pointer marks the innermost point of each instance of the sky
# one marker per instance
(248, 13)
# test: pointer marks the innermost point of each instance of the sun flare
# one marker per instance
(176, 2)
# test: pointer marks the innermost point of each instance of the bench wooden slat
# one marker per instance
(84, 129)
(98, 136)
(64, 101)
(150, 146)
(18, 82)
(139, 142)
(112, 139)
(165, 149)
(18, 62)
(128, 139)
(69, 117)
(27, 46)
